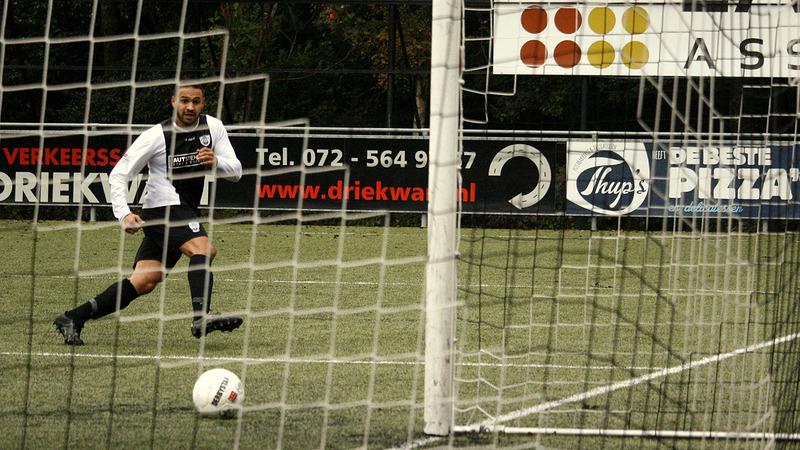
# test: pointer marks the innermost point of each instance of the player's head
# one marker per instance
(188, 105)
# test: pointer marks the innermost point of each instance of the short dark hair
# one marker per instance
(195, 86)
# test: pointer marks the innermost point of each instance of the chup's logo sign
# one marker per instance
(610, 178)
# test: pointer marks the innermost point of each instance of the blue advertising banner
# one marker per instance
(629, 177)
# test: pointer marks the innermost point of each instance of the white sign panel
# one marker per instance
(608, 177)
(634, 39)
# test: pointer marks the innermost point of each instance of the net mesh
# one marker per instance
(331, 344)
(671, 318)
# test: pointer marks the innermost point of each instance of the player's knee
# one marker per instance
(199, 247)
(209, 251)
(148, 287)
(144, 284)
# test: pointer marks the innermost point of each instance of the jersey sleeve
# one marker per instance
(130, 165)
(228, 165)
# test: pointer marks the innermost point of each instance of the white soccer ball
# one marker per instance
(218, 393)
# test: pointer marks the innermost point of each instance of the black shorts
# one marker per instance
(181, 226)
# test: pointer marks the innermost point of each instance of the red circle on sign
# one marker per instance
(567, 54)
(568, 20)
(534, 19)
(533, 53)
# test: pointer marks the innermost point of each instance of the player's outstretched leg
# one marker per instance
(70, 323)
(70, 329)
(214, 321)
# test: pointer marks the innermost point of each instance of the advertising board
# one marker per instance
(499, 175)
(288, 172)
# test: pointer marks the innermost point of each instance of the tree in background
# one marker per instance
(337, 64)
(326, 62)
(329, 62)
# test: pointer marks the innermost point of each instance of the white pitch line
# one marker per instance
(242, 359)
(611, 388)
(227, 280)
(313, 282)
(206, 358)
(309, 282)
(642, 379)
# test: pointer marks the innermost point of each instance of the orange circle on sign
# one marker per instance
(533, 53)
(534, 19)
(567, 54)
(568, 20)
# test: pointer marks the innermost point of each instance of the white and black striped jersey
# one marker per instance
(175, 175)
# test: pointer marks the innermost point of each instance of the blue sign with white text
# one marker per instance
(627, 177)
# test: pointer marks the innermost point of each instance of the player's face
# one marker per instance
(188, 105)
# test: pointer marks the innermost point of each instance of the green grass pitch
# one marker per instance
(332, 347)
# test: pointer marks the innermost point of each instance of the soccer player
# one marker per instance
(179, 153)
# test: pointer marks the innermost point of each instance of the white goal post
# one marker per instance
(444, 160)
(634, 332)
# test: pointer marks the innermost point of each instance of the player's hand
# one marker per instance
(206, 156)
(132, 223)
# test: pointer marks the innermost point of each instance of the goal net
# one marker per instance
(611, 282)
(648, 287)
(331, 299)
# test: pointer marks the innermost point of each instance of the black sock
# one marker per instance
(105, 303)
(201, 281)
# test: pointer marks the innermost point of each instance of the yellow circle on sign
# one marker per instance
(602, 20)
(635, 55)
(635, 20)
(600, 54)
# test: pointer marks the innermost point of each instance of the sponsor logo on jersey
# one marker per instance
(185, 160)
